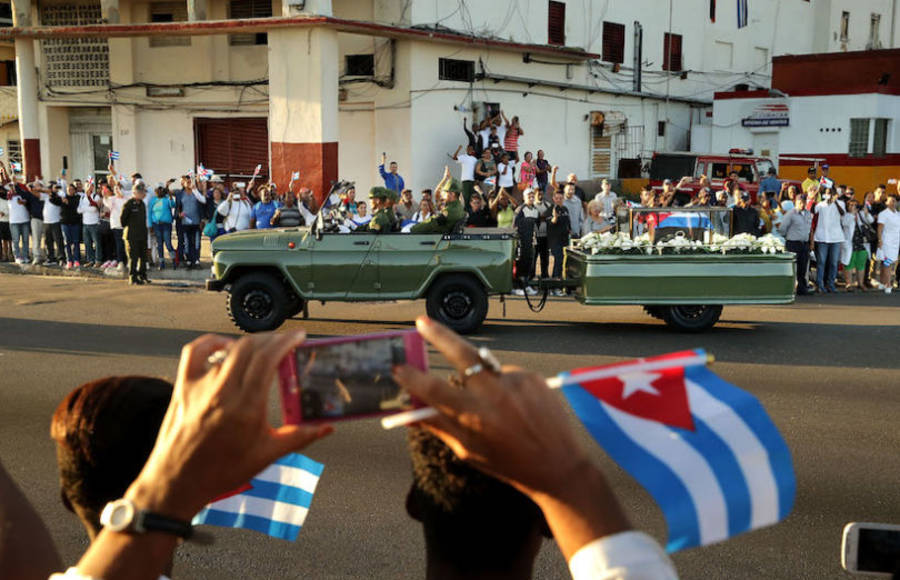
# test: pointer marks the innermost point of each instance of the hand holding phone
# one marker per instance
(347, 377)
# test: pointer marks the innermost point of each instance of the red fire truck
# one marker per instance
(751, 170)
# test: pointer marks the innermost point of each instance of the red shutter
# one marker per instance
(556, 23)
(233, 147)
(613, 42)
(673, 61)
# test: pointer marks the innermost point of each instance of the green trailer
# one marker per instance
(687, 291)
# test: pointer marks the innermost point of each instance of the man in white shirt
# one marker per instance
(467, 162)
(53, 238)
(828, 237)
(19, 224)
(237, 211)
(506, 171)
(89, 208)
(114, 203)
(607, 198)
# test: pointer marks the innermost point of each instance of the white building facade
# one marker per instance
(326, 86)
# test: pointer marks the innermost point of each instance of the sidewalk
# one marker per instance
(193, 277)
(196, 276)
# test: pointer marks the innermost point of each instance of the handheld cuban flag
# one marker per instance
(742, 13)
(113, 155)
(295, 176)
(705, 450)
(16, 166)
(275, 502)
(257, 170)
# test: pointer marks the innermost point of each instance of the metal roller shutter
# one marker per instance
(233, 147)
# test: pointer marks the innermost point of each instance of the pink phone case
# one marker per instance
(416, 357)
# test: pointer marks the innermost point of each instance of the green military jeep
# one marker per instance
(270, 275)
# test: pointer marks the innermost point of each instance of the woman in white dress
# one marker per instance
(888, 241)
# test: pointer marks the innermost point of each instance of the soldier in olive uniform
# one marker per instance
(383, 220)
(452, 213)
(134, 222)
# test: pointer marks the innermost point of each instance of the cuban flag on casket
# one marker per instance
(705, 450)
(690, 223)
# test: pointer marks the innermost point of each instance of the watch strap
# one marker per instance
(152, 522)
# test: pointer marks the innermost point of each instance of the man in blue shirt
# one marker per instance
(261, 218)
(190, 211)
(770, 185)
(392, 179)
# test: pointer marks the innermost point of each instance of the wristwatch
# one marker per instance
(122, 515)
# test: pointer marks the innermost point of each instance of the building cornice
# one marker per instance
(253, 25)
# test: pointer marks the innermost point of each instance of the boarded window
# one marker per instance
(234, 147)
(249, 9)
(556, 23)
(601, 153)
(613, 42)
(859, 137)
(169, 12)
(672, 52)
(8, 73)
(359, 65)
(450, 69)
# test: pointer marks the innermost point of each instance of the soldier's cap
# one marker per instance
(453, 185)
(382, 193)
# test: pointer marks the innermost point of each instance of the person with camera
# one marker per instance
(215, 436)
(827, 238)
(236, 210)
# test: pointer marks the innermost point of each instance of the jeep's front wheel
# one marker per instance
(257, 302)
(459, 302)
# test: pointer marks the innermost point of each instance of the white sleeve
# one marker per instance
(624, 556)
(200, 197)
(223, 208)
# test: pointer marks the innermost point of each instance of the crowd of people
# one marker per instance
(824, 224)
(491, 478)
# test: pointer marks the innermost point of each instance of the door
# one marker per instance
(90, 132)
(345, 266)
(602, 153)
(403, 262)
(356, 155)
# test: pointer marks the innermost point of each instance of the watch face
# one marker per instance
(118, 515)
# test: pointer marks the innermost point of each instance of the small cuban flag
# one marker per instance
(490, 181)
(204, 173)
(113, 155)
(1, 150)
(705, 450)
(275, 502)
(16, 166)
(295, 176)
(257, 170)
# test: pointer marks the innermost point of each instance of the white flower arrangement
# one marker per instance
(622, 243)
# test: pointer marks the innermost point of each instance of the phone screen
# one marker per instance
(340, 378)
(879, 550)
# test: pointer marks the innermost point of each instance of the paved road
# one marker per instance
(826, 368)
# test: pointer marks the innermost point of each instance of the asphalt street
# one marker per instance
(826, 368)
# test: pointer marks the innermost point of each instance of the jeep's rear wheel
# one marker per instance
(257, 302)
(692, 318)
(459, 302)
(296, 305)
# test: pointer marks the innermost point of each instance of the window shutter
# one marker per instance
(672, 60)
(613, 42)
(556, 23)
(233, 147)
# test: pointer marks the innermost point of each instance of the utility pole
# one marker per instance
(638, 56)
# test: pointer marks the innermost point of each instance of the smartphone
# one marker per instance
(349, 377)
(871, 549)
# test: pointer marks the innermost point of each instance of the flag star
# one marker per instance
(637, 382)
